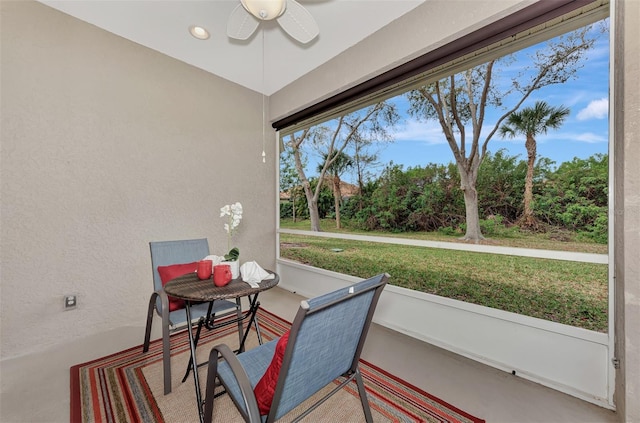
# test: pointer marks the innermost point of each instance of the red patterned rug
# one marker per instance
(127, 387)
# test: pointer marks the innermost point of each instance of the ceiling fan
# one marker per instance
(291, 15)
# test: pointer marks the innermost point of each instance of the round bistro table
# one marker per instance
(192, 289)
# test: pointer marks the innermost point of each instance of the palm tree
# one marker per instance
(530, 122)
(339, 163)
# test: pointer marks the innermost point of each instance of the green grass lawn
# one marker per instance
(565, 292)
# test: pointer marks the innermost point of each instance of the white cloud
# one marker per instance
(561, 136)
(428, 132)
(597, 109)
(590, 138)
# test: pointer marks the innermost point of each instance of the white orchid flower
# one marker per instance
(234, 211)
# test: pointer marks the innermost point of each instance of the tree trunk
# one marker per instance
(337, 196)
(314, 215)
(360, 188)
(527, 218)
(312, 201)
(468, 186)
(293, 206)
(473, 232)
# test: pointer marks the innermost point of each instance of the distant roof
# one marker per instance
(346, 190)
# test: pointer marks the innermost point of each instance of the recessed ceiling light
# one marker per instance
(199, 32)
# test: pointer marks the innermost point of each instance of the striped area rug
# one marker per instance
(128, 387)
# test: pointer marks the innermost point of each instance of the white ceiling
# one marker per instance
(163, 26)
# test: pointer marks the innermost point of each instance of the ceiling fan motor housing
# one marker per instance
(265, 9)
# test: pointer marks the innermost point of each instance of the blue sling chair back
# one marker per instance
(325, 343)
(166, 253)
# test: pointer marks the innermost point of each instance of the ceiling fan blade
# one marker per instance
(241, 24)
(298, 22)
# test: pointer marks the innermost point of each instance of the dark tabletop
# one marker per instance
(189, 287)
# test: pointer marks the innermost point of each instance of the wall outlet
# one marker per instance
(70, 302)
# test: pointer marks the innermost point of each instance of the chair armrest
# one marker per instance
(163, 313)
(164, 300)
(250, 403)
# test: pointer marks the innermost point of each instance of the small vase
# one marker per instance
(235, 268)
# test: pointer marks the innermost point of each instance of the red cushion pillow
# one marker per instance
(266, 387)
(171, 272)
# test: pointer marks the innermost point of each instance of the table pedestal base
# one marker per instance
(209, 323)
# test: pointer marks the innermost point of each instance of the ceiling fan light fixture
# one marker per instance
(199, 32)
(292, 17)
(265, 9)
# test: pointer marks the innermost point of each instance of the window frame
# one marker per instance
(536, 23)
(541, 20)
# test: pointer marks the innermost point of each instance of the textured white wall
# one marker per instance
(427, 27)
(106, 146)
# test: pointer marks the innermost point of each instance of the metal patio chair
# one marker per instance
(166, 253)
(324, 343)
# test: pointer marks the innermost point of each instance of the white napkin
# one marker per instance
(252, 274)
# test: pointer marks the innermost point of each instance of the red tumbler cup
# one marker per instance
(204, 269)
(221, 274)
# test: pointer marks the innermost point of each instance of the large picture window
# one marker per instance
(484, 179)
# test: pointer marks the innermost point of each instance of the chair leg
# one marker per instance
(166, 340)
(257, 326)
(363, 397)
(147, 332)
(166, 347)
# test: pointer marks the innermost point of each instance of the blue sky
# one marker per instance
(583, 134)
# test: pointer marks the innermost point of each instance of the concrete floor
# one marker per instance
(36, 388)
